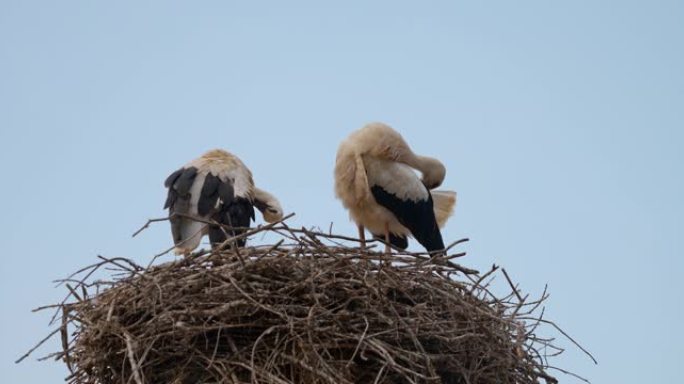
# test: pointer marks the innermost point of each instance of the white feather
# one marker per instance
(396, 178)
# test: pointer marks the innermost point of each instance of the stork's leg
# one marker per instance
(362, 237)
(388, 249)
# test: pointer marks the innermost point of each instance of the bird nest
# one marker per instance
(308, 309)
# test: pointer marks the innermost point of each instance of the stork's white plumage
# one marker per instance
(375, 179)
(216, 187)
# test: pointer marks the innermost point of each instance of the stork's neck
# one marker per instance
(268, 205)
(432, 169)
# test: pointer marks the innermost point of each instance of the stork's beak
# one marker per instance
(429, 186)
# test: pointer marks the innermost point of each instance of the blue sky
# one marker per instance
(561, 125)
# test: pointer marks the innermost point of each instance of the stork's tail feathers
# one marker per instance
(443, 204)
(268, 205)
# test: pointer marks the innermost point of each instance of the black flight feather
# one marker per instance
(209, 195)
(184, 181)
(235, 214)
(226, 192)
(172, 195)
(417, 216)
(172, 178)
(399, 242)
(170, 198)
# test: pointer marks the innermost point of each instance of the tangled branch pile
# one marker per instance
(305, 310)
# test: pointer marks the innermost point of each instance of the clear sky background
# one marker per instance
(561, 125)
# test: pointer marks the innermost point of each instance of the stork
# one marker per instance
(376, 182)
(216, 187)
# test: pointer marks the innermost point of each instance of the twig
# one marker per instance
(150, 221)
(30, 351)
(131, 359)
(515, 290)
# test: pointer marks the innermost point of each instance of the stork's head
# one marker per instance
(268, 205)
(433, 171)
(273, 212)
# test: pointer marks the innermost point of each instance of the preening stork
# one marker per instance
(216, 187)
(375, 179)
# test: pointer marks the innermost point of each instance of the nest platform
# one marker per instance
(310, 308)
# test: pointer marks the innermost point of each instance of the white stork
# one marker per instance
(215, 187)
(375, 179)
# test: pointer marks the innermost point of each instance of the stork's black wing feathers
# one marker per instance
(171, 197)
(232, 211)
(184, 182)
(399, 242)
(179, 183)
(236, 214)
(417, 216)
(172, 178)
(211, 184)
(209, 195)
(226, 193)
